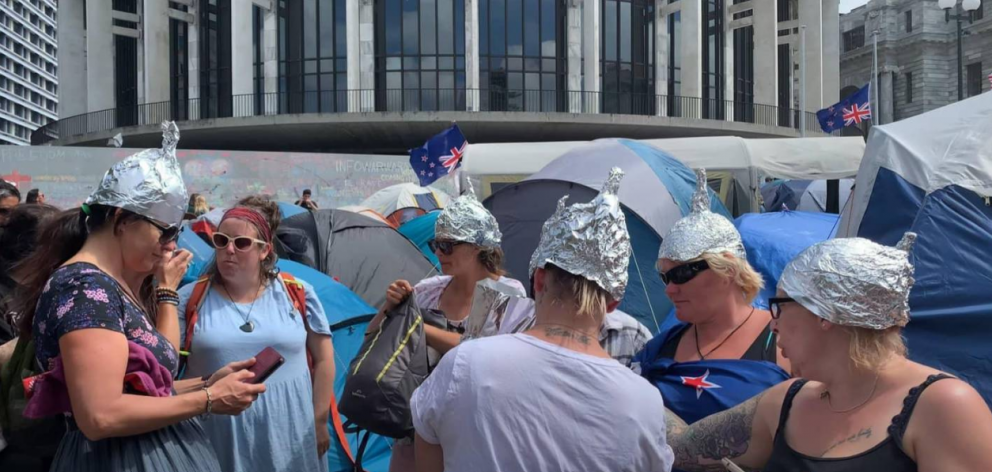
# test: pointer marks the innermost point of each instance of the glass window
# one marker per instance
(312, 62)
(909, 87)
(974, 78)
(628, 64)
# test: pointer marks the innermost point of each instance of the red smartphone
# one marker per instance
(266, 362)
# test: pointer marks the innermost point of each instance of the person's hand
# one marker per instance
(397, 293)
(172, 269)
(323, 438)
(233, 394)
(229, 369)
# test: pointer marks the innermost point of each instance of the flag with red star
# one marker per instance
(439, 156)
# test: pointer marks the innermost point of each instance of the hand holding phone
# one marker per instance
(266, 362)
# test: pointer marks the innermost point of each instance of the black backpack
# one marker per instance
(390, 365)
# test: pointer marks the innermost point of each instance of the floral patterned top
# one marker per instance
(81, 296)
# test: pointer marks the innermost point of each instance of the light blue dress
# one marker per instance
(276, 433)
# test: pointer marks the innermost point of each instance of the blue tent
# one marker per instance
(932, 174)
(348, 315)
(420, 231)
(655, 193)
(774, 239)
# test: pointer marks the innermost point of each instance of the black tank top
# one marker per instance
(762, 349)
(887, 455)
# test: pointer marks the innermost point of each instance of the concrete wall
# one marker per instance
(72, 59)
(99, 56)
(155, 40)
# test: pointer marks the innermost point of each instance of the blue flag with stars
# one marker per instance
(850, 111)
(439, 156)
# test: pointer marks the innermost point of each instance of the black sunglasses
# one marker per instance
(445, 247)
(775, 305)
(683, 273)
(168, 233)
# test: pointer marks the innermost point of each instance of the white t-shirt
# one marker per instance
(514, 403)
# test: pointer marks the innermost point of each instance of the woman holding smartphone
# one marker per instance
(242, 307)
(88, 325)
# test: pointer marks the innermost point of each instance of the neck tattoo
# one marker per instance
(566, 332)
(695, 332)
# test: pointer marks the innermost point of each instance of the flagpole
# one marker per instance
(877, 112)
(802, 81)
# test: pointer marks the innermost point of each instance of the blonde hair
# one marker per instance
(871, 347)
(738, 271)
(200, 205)
(588, 298)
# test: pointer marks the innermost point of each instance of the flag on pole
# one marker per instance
(850, 111)
(439, 156)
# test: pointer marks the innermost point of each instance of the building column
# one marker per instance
(765, 58)
(99, 56)
(72, 57)
(472, 55)
(662, 42)
(193, 64)
(242, 76)
(270, 54)
(885, 94)
(811, 15)
(155, 27)
(831, 52)
(692, 54)
(573, 36)
(361, 55)
(591, 54)
(728, 65)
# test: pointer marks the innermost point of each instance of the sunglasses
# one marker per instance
(683, 273)
(444, 247)
(775, 305)
(168, 234)
(241, 243)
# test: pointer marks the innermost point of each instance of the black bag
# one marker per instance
(390, 365)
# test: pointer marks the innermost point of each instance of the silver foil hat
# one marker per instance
(466, 220)
(702, 231)
(589, 240)
(853, 282)
(148, 183)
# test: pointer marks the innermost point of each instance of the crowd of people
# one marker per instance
(128, 371)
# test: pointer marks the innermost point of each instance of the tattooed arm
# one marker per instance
(743, 434)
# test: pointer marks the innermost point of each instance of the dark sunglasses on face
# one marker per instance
(241, 243)
(683, 273)
(168, 234)
(775, 305)
(444, 247)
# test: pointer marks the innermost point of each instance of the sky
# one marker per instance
(848, 5)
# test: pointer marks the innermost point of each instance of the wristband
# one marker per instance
(210, 400)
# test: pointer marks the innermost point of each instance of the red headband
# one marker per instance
(251, 216)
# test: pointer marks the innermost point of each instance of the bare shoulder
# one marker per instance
(945, 398)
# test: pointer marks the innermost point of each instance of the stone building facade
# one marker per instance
(917, 54)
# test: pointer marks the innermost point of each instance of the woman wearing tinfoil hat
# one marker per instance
(723, 350)
(109, 370)
(550, 398)
(862, 406)
(467, 244)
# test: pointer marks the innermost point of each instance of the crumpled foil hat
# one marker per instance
(702, 231)
(148, 183)
(589, 240)
(466, 220)
(853, 281)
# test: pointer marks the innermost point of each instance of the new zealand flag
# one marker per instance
(439, 156)
(850, 111)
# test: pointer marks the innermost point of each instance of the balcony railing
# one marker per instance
(424, 100)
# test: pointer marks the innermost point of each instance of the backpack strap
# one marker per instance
(192, 314)
(298, 296)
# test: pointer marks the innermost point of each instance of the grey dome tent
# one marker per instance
(364, 254)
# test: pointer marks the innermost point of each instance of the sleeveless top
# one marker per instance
(696, 389)
(887, 455)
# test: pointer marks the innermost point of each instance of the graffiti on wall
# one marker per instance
(67, 175)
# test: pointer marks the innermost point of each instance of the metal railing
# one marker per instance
(424, 100)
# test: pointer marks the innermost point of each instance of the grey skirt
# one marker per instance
(182, 447)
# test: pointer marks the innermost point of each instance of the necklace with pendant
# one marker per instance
(248, 326)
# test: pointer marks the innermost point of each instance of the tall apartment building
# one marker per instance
(28, 68)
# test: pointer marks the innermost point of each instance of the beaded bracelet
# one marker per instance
(166, 291)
